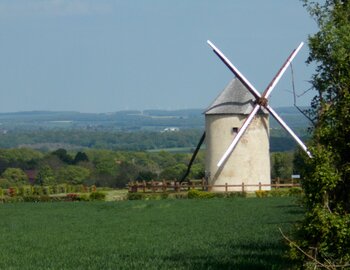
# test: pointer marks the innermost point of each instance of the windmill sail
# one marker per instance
(261, 100)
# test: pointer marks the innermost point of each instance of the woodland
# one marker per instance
(107, 168)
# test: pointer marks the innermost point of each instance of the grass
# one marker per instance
(168, 234)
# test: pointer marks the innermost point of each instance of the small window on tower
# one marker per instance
(235, 130)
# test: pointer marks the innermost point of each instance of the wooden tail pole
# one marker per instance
(193, 158)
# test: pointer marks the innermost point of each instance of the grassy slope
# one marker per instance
(183, 234)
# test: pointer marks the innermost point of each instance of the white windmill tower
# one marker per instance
(237, 131)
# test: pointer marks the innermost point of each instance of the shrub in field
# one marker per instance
(149, 196)
(236, 194)
(178, 195)
(31, 198)
(61, 188)
(4, 183)
(93, 188)
(8, 199)
(71, 197)
(37, 190)
(164, 195)
(197, 194)
(97, 196)
(279, 193)
(134, 196)
(47, 190)
(1, 192)
(261, 193)
(84, 197)
(12, 191)
(70, 189)
(295, 191)
(45, 198)
(25, 190)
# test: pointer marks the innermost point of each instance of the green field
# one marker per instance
(238, 233)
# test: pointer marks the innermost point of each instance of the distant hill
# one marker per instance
(127, 120)
(126, 130)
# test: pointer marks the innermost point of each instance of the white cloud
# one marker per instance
(25, 8)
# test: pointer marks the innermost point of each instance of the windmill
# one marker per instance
(237, 130)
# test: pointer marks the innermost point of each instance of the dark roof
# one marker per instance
(234, 99)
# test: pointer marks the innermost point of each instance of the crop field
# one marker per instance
(237, 233)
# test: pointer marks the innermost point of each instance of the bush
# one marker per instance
(261, 193)
(134, 196)
(12, 191)
(71, 197)
(97, 196)
(46, 190)
(295, 191)
(31, 198)
(61, 189)
(84, 197)
(8, 199)
(37, 190)
(279, 193)
(25, 190)
(197, 194)
(236, 194)
(178, 195)
(150, 196)
(4, 183)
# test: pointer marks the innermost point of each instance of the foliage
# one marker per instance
(168, 234)
(261, 193)
(15, 176)
(80, 157)
(327, 176)
(174, 172)
(45, 176)
(148, 196)
(4, 183)
(281, 165)
(197, 194)
(63, 155)
(97, 196)
(71, 197)
(73, 174)
(103, 168)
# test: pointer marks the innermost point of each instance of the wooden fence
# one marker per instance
(173, 186)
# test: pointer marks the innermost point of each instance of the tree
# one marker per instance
(324, 235)
(46, 176)
(80, 157)
(174, 172)
(15, 176)
(63, 155)
(73, 174)
(281, 165)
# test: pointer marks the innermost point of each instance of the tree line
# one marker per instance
(105, 168)
(47, 140)
(108, 168)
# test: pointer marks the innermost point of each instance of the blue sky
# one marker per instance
(110, 55)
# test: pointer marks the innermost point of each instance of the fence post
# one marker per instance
(225, 187)
(259, 186)
(203, 184)
(242, 187)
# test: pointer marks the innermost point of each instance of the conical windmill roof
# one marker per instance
(234, 99)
